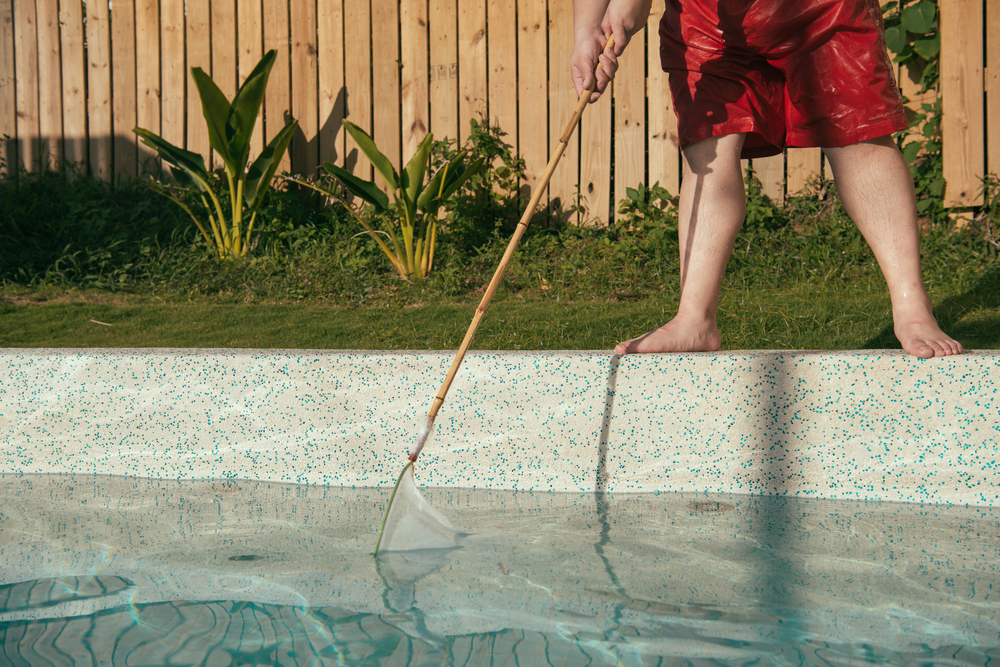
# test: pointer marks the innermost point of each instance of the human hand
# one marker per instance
(621, 19)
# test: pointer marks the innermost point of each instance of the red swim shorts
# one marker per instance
(786, 72)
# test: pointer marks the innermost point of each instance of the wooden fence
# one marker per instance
(77, 75)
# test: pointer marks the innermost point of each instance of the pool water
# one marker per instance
(126, 571)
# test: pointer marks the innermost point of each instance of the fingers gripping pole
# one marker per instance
(515, 238)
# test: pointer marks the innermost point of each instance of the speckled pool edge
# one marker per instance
(876, 425)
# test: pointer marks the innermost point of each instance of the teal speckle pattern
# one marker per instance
(876, 425)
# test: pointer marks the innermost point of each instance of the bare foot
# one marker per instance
(922, 337)
(675, 336)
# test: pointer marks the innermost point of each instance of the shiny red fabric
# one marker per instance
(787, 72)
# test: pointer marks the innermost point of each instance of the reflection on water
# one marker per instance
(143, 572)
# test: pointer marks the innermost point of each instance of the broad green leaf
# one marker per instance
(412, 180)
(911, 150)
(245, 109)
(456, 181)
(378, 160)
(262, 170)
(936, 187)
(188, 168)
(927, 47)
(366, 190)
(633, 194)
(434, 186)
(919, 18)
(215, 108)
(895, 39)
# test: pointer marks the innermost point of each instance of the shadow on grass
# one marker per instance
(952, 314)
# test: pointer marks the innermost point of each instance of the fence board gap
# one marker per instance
(331, 80)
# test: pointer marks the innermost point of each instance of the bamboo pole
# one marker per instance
(515, 238)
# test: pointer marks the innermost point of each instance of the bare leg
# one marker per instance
(877, 190)
(711, 211)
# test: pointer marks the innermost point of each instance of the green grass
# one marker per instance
(802, 316)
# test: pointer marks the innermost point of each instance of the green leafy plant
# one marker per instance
(417, 201)
(488, 205)
(911, 32)
(230, 126)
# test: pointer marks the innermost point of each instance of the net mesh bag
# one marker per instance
(410, 523)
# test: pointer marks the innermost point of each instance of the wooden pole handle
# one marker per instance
(515, 238)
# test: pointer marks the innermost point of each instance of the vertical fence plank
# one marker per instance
(562, 102)
(414, 91)
(8, 101)
(993, 87)
(661, 126)
(277, 99)
(532, 89)
(305, 102)
(26, 55)
(595, 161)
(443, 26)
(803, 165)
(250, 33)
(172, 71)
(99, 89)
(629, 94)
(147, 71)
(471, 63)
(49, 81)
(123, 84)
(385, 80)
(962, 100)
(224, 46)
(771, 173)
(357, 80)
(501, 47)
(199, 54)
(331, 80)
(73, 76)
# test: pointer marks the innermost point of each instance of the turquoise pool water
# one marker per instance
(125, 571)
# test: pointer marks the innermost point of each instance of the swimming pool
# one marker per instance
(823, 508)
(110, 570)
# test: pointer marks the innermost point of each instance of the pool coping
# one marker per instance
(874, 424)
